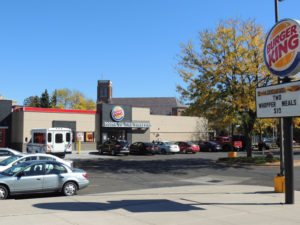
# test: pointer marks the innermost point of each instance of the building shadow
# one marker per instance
(134, 206)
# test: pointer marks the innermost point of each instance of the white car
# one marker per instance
(165, 147)
(16, 159)
(7, 152)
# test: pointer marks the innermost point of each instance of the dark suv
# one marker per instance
(114, 147)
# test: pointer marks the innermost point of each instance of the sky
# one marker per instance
(56, 44)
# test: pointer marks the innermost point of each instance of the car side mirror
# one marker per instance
(26, 139)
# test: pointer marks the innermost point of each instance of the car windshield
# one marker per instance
(10, 160)
(190, 143)
(15, 169)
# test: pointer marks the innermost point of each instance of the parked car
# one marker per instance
(165, 147)
(142, 148)
(226, 143)
(186, 147)
(40, 177)
(209, 146)
(7, 152)
(17, 159)
(114, 147)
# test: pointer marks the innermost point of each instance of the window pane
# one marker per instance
(55, 169)
(47, 158)
(34, 170)
(68, 137)
(49, 137)
(39, 138)
(58, 138)
(4, 153)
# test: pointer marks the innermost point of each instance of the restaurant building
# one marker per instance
(131, 119)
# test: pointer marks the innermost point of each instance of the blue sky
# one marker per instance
(52, 44)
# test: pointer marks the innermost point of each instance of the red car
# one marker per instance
(186, 147)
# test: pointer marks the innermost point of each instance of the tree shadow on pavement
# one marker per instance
(135, 206)
(175, 166)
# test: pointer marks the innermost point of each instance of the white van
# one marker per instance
(56, 141)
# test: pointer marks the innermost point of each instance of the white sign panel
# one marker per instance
(281, 100)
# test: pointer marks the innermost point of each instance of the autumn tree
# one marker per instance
(68, 99)
(221, 73)
(62, 99)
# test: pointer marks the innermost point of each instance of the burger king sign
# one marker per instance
(282, 48)
(117, 113)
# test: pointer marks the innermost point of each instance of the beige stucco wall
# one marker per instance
(140, 114)
(178, 128)
(84, 122)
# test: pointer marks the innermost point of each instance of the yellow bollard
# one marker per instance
(232, 154)
(79, 146)
(279, 184)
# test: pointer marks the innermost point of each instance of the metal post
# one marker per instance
(281, 147)
(288, 160)
(276, 11)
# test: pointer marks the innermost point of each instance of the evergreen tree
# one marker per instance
(45, 103)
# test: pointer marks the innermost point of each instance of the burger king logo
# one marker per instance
(117, 113)
(282, 48)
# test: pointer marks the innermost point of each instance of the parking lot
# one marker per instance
(116, 173)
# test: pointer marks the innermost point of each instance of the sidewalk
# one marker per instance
(184, 205)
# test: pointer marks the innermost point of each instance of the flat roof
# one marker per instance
(31, 109)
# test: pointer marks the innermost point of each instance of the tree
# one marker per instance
(45, 102)
(53, 100)
(222, 72)
(67, 99)
(32, 101)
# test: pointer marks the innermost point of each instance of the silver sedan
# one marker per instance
(41, 177)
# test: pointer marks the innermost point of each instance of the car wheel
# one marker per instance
(163, 151)
(69, 189)
(112, 152)
(100, 151)
(3, 192)
(184, 151)
(210, 149)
